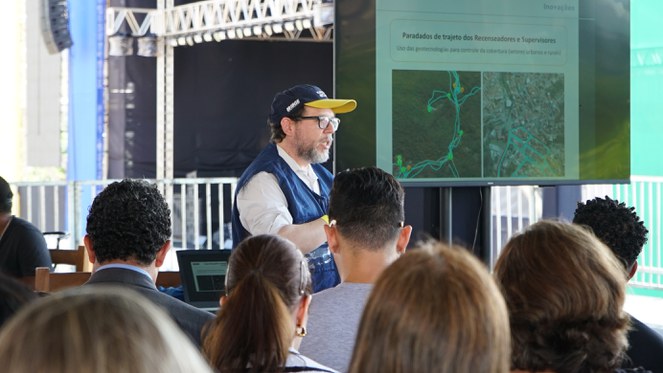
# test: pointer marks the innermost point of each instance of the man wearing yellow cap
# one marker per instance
(285, 190)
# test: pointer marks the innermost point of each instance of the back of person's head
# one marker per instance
(13, 295)
(367, 206)
(6, 195)
(565, 291)
(128, 220)
(266, 280)
(616, 225)
(435, 309)
(96, 330)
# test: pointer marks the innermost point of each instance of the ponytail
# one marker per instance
(253, 330)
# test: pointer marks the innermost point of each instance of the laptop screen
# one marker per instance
(203, 274)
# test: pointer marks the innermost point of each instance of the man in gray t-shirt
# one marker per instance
(365, 234)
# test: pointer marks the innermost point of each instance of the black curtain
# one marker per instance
(223, 93)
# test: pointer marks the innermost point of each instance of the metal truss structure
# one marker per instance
(225, 19)
(169, 26)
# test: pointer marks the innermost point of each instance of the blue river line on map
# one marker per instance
(456, 95)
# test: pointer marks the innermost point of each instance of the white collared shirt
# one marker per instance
(261, 203)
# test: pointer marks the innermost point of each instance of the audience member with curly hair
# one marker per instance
(565, 291)
(617, 225)
(435, 309)
(128, 237)
(264, 312)
(99, 330)
(620, 228)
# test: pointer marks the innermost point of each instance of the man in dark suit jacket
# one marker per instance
(620, 228)
(128, 237)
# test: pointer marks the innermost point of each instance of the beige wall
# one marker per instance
(32, 111)
(11, 94)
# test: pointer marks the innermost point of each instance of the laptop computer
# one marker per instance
(203, 274)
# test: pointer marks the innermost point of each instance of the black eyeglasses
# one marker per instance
(323, 121)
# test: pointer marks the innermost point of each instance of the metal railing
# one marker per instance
(199, 219)
(200, 209)
(201, 212)
(514, 208)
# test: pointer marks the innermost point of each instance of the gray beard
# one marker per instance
(312, 155)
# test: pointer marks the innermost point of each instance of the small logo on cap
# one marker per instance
(292, 106)
(321, 94)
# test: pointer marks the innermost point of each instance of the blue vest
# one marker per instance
(304, 204)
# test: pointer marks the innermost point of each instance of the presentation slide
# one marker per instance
(471, 90)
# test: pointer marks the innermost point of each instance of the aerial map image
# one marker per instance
(523, 115)
(436, 124)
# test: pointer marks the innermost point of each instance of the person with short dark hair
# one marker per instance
(366, 233)
(22, 245)
(263, 314)
(617, 225)
(620, 228)
(128, 237)
(285, 190)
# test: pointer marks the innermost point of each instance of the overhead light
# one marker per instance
(306, 23)
(148, 46)
(289, 26)
(256, 30)
(247, 31)
(277, 28)
(172, 42)
(198, 38)
(207, 36)
(181, 41)
(231, 33)
(120, 45)
(189, 41)
(219, 35)
(298, 25)
(268, 30)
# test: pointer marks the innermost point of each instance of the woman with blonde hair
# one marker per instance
(565, 291)
(264, 312)
(99, 330)
(435, 309)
